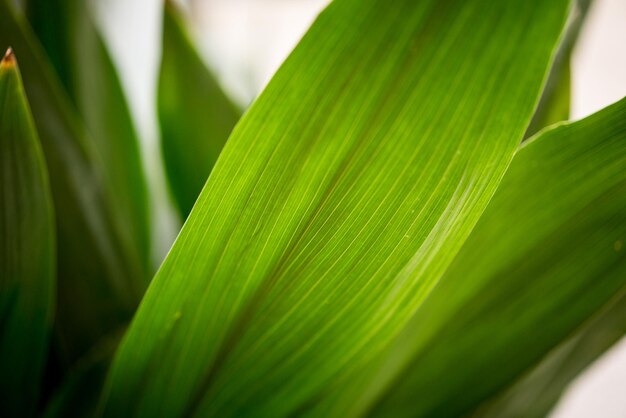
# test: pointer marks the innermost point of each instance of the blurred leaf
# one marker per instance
(338, 201)
(195, 115)
(79, 392)
(67, 31)
(26, 250)
(544, 258)
(100, 281)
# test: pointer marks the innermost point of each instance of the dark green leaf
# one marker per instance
(78, 394)
(27, 251)
(99, 278)
(538, 392)
(195, 115)
(67, 31)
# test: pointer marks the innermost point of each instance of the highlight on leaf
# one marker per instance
(321, 230)
(402, 223)
(523, 270)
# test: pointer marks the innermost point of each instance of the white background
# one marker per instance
(244, 41)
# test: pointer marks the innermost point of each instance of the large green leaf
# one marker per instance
(544, 258)
(338, 201)
(27, 250)
(99, 279)
(195, 115)
(67, 31)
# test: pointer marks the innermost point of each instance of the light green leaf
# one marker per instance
(68, 33)
(195, 115)
(91, 240)
(338, 201)
(543, 259)
(27, 251)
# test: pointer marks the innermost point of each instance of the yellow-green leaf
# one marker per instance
(545, 257)
(337, 203)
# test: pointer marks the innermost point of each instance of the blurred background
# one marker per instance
(244, 42)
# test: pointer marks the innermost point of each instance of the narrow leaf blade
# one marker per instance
(195, 115)
(68, 33)
(90, 237)
(27, 250)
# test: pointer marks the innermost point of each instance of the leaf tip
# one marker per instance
(172, 7)
(9, 58)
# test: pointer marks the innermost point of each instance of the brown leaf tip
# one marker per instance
(171, 6)
(9, 58)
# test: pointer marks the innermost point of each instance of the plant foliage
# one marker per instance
(371, 238)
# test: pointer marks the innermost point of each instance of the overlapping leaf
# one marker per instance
(535, 394)
(67, 31)
(195, 115)
(78, 394)
(546, 256)
(100, 277)
(554, 105)
(339, 200)
(27, 250)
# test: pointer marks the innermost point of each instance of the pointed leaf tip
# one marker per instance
(172, 6)
(9, 58)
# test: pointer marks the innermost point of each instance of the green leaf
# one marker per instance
(536, 394)
(554, 105)
(337, 203)
(544, 258)
(195, 115)
(27, 251)
(68, 33)
(100, 281)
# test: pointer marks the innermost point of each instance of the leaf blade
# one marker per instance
(91, 243)
(71, 39)
(27, 250)
(195, 115)
(534, 269)
(554, 105)
(315, 178)
(537, 392)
